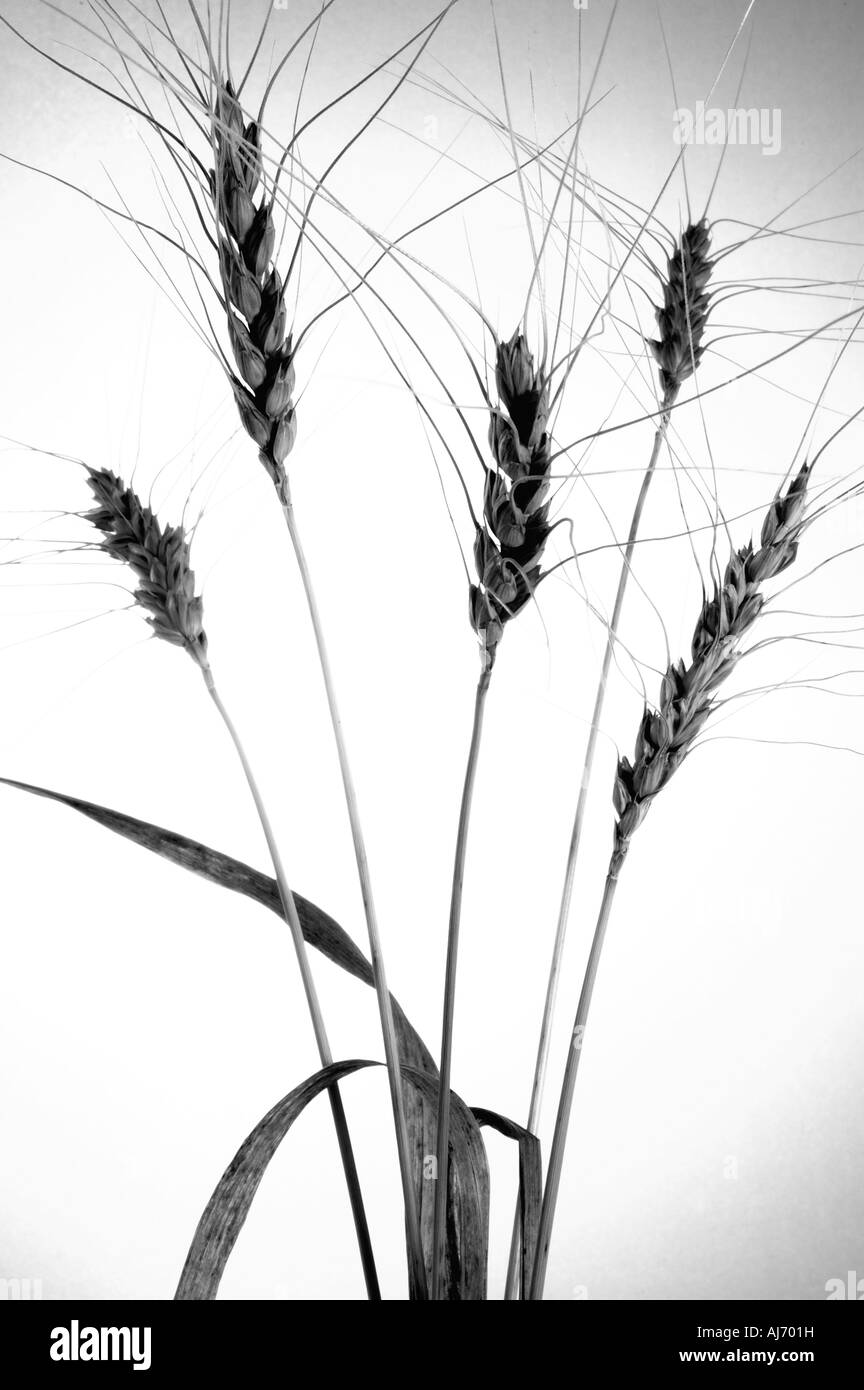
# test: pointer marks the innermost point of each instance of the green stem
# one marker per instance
(290, 910)
(385, 1009)
(442, 1168)
(565, 1105)
(542, 1062)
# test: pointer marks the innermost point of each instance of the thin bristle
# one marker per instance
(687, 695)
(254, 293)
(508, 549)
(682, 317)
(158, 557)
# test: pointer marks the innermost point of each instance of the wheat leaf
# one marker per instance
(467, 1235)
(530, 1184)
(319, 929)
(469, 1201)
(226, 1212)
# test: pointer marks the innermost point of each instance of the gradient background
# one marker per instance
(148, 1020)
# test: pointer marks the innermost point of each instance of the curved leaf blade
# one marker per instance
(530, 1185)
(319, 929)
(468, 1215)
(227, 1210)
(467, 1237)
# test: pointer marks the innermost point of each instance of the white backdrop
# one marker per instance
(148, 1019)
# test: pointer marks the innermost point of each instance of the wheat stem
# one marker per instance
(667, 734)
(443, 1149)
(290, 910)
(542, 1062)
(388, 1028)
(565, 1105)
(681, 321)
(264, 391)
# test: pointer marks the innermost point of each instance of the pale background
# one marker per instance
(148, 1020)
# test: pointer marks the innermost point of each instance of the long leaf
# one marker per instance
(319, 929)
(467, 1224)
(530, 1185)
(226, 1212)
(467, 1244)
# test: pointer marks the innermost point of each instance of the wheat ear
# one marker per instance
(508, 547)
(681, 321)
(667, 733)
(257, 324)
(666, 736)
(157, 555)
(255, 304)
(159, 558)
(508, 551)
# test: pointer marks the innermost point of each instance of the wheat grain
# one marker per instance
(508, 547)
(254, 293)
(667, 733)
(158, 557)
(683, 314)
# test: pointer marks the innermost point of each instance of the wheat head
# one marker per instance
(254, 293)
(508, 547)
(158, 557)
(682, 317)
(687, 693)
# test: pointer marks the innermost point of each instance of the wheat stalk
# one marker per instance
(666, 736)
(508, 552)
(257, 325)
(678, 349)
(158, 556)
